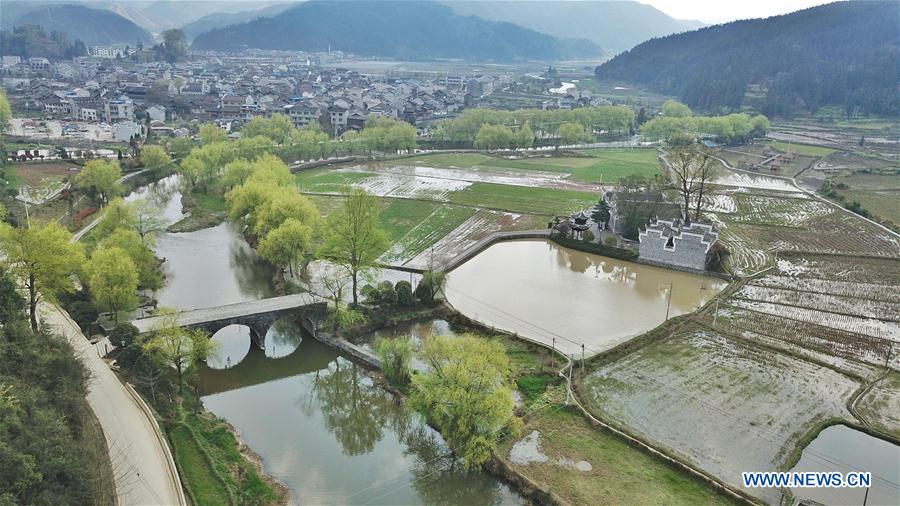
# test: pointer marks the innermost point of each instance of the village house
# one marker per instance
(673, 243)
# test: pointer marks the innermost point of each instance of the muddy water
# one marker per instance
(544, 292)
(840, 448)
(333, 437)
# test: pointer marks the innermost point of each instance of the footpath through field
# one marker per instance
(142, 466)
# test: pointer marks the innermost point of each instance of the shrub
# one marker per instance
(430, 286)
(396, 355)
(123, 335)
(587, 236)
(533, 387)
(84, 313)
(405, 295)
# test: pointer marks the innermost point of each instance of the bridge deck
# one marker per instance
(211, 314)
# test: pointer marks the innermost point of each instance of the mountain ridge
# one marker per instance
(91, 26)
(840, 54)
(614, 25)
(416, 30)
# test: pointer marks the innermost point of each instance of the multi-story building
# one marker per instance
(302, 115)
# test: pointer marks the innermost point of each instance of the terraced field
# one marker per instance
(754, 404)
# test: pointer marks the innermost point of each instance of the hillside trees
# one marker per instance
(842, 54)
(44, 260)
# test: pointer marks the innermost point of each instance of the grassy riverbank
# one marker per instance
(215, 466)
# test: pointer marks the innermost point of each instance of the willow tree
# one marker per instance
(288, 244)
(353, 238)
(113, 280)
(466, 392)
(179, 347)
(44, 260)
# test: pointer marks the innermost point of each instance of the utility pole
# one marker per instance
(582, 360)
(669, 300)
(553, 353)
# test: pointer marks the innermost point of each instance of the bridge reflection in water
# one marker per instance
(256, 368)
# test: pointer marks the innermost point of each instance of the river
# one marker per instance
(318, 422)
(553, 294)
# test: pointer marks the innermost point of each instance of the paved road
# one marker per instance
(141, 464)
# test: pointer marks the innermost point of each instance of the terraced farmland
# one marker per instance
(754, 404)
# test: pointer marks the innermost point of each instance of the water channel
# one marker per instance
(549, 293)
(319, 423)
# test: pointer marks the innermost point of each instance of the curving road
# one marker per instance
(142, 465)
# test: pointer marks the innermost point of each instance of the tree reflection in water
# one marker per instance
(358, 412)
(354, 409)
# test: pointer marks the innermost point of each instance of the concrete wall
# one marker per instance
(689, 251)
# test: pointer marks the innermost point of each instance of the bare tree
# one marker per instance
(690, 168)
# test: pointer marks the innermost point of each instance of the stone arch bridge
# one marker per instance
(258, 315)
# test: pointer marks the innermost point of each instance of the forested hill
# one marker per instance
(92, 26)
(843, 54)
(415, 30)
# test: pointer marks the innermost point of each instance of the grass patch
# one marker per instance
(328, 180)
(802, 149)
(213, 203)
(603, 165)
(525, 199)
(326, 204)
(534, 386)
(199, 479)
(449, 160)
(205, 436)
(620, 474)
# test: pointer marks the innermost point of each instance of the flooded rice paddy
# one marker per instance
(549, 293)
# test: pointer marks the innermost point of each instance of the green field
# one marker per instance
(449, 160)
(607, 165)
(328, 180)
(884, 205)
(802, 149)
(430, 229)
(209, 202)
(399, 216)
(523, 199)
